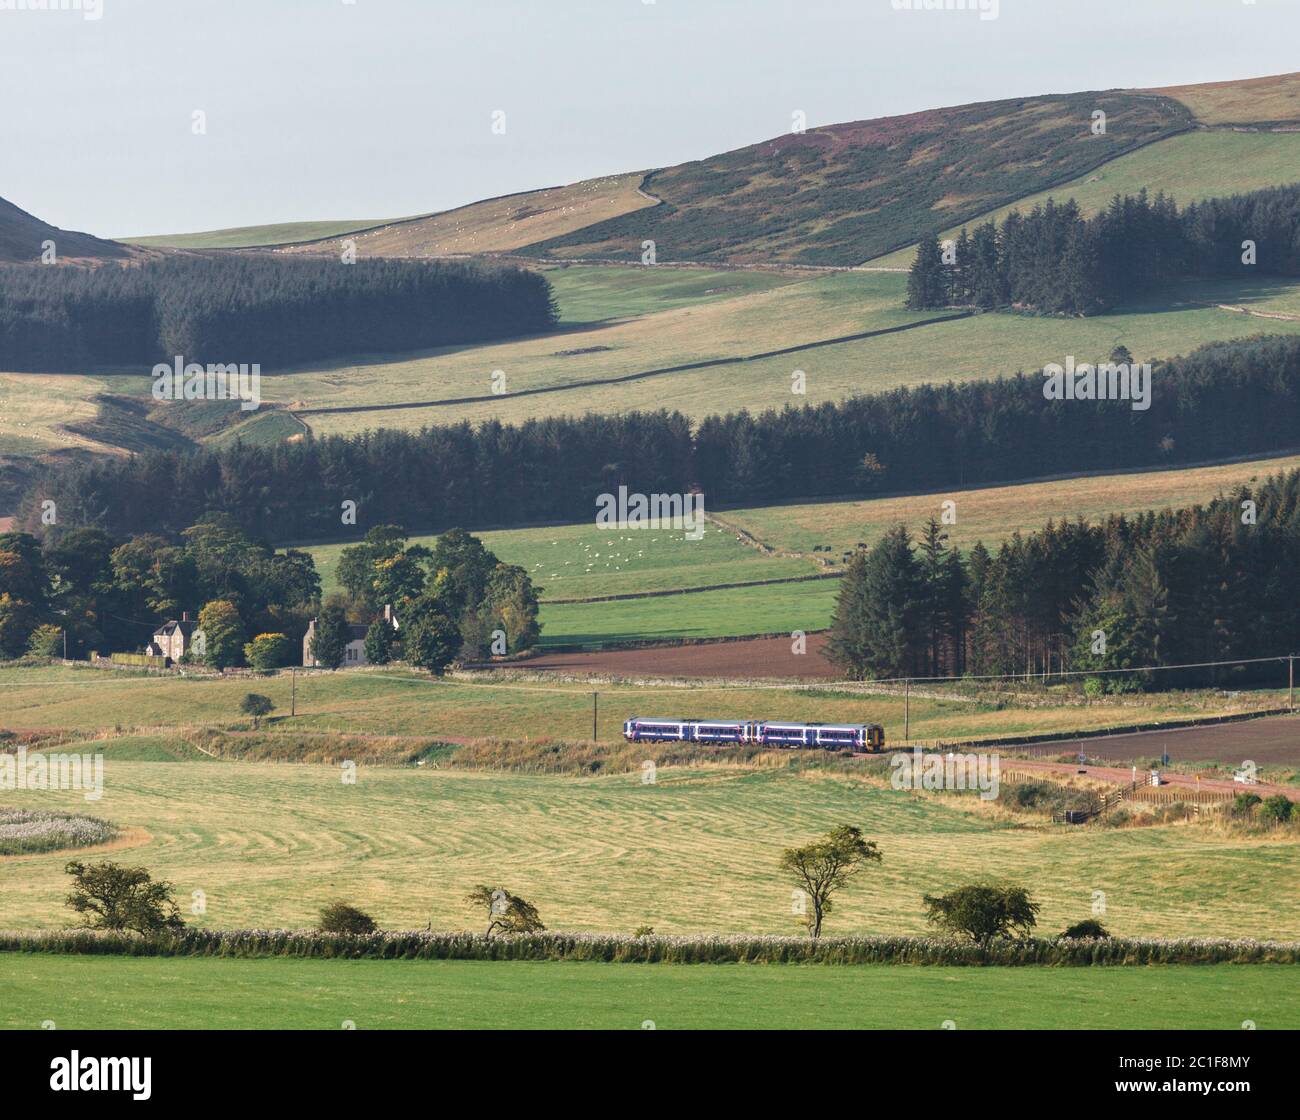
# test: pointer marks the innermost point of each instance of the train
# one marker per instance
(774, 733)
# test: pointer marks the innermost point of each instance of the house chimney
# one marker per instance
(388, 612)
(185, 616)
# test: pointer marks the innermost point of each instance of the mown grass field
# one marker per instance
(269, 843)
(80, 993)
(992, 514)
(1190, 167)
(393, 701)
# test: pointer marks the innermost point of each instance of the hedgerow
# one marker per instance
(655, 948)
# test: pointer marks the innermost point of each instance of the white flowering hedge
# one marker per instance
(689, 949)
(23, 831)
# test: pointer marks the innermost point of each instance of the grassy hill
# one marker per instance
(249, 237)
(22, 234)
(1257, 102)
(1191, 167)
(493, 225)
(844, 193)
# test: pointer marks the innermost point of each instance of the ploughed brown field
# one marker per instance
(1268, 741)
(752, 657)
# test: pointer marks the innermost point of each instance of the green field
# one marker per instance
(580, 561)
(591, 294)
(393, 701)
(269, 843)
(1191, 167)
(90, 993)
(779, 608)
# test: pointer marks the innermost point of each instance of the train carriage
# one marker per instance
(825, 736)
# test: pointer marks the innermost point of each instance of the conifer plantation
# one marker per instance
(1169, 588)
(1053, 259)
(274, 311)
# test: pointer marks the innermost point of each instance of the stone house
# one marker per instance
(176, 637)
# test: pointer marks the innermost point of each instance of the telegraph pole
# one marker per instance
(293, 692)
(1290, 682)
(907, 709)
(593, 716)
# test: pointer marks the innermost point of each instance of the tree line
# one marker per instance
(257, 308)
(1177, 587)
(253, 604)
(1223, 399)
(1053, 259)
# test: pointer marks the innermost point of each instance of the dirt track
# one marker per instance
(753, 657)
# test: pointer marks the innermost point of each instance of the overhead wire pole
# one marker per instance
(907, 710)
(594, 736)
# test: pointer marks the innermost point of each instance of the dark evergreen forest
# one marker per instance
(256, 308)
(1207, 583)
(1053, 259)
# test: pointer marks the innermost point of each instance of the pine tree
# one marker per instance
(876, 630)
(926, 282)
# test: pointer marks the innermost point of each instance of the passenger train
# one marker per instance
(827, 736)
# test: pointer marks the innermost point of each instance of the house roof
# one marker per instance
(356, 630)
(172, 625)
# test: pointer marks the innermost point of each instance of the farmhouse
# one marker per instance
(355, 652)
(175, 638)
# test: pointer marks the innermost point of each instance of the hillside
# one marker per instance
(21, 236)
(846, 193)
(252, 237)
(493, 225)
(1259, 102)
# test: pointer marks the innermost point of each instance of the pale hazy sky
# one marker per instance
(383, 108)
